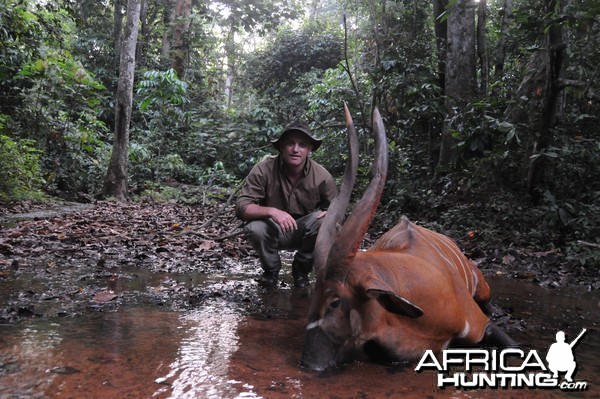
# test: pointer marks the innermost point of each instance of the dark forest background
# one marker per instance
(491, 107)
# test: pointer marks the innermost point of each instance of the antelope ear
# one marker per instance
(395, 303)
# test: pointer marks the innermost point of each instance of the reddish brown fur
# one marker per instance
(405, 261)
(409, 238)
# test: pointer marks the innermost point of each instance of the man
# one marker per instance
(284, 199)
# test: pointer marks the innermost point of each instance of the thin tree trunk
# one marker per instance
(165, 50)
(481, 47)
(231, 63)
(115, 183)
(380, 34)
(501, 47)
(527, 97)
(441, 36)
(555, 54)
(312, 11)
(139, 56)
(118, 29)
(460, 74)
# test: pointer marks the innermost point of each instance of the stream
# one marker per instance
(127, 344)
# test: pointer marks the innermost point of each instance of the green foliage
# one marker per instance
(57, 82)
(156, 148)
(61, 101)
(326, 97)
(218, 176)
(276, 71)
(164, 92)
(256, 15)
(26, 33)
(238, 142)
(327, 93)
(83, 158)
(292, 53)
(141, 166)
(20, 174)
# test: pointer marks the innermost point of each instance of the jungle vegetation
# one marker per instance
(491, 106)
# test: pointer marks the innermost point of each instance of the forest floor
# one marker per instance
(92, 244)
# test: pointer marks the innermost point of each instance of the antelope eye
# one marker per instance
(335, 303)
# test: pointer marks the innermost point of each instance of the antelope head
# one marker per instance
(333, 310)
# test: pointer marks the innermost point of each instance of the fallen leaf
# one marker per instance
(508, 259)
(106, 296)
(207, 245)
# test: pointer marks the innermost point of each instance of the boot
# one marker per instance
(268, 279)
(300, 274)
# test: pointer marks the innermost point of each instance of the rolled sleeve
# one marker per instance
(253, 191)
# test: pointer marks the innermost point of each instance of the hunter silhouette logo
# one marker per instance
(506, 368)
(560, 356)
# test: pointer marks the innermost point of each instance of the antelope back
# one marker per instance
(438, 249)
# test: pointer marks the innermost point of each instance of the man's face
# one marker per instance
(295, 147)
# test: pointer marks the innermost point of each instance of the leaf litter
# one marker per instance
(89, 258)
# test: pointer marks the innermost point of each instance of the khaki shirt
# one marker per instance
(267, 185)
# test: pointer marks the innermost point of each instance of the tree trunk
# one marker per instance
(501, 47)
(139, 56)
(556, 46)
(481, 47)
(441, 36)
(115, 183)
(118, 29)
(165, 50)
(527, 97)
(180, 48)
(460, 74)
(230, 53)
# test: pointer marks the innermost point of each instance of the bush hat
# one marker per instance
(298, 126)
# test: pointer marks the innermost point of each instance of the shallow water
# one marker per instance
(10, 220)
(227, 349)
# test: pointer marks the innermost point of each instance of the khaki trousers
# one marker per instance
(267, 239)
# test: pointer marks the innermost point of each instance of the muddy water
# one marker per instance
(10, 220)
(236, 349)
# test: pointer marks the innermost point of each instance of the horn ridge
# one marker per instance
(351, 235)
(337, 208)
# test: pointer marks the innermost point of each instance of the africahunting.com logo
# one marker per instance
(508, 368)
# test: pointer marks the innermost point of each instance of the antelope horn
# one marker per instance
(337, 208)
(348, 241)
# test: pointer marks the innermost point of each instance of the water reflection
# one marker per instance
(98, 355)
(202, 364)
(34, 351)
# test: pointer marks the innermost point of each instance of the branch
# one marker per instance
(588, 91)
(232, 233)
(197, 231)
(229, 235)
(349, 72)
(588, 244)
(229, 200)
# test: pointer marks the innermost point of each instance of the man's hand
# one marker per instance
(284, 220)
